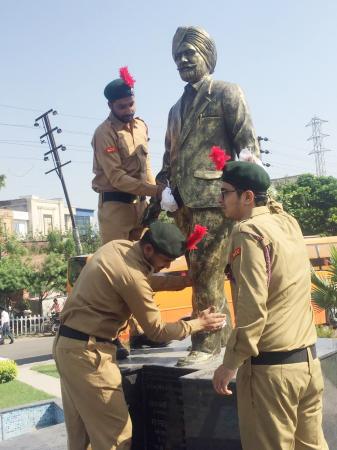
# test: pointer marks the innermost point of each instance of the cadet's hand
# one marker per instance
(212, 321)
(221, 378)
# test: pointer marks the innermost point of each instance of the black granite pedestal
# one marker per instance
(177, 409)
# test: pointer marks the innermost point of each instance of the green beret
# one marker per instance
(166, 238)
(246, 176)
(117, 89)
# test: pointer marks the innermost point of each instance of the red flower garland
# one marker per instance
(219, 157)
(195, 237)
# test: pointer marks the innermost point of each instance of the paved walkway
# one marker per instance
(45, 383)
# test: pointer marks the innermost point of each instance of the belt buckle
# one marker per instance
(136, 200)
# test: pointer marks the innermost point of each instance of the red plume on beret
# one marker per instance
(126, 77)
(219, 157)
(195, 237)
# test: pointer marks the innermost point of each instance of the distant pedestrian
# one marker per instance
(5, 325)
(56, 307)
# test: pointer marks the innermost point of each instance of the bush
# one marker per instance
(324, 331)
(8, 371)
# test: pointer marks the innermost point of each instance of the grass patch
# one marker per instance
(324, 331)
(47, 369)
(15, 393)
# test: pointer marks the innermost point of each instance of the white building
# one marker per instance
(36, 215)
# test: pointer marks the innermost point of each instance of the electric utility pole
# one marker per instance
(318, 150)
(53, 152)
(259, 139)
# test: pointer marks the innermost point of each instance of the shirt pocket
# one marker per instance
(207, 174)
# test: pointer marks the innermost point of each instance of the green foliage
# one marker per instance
(324, 292)
(48, 277)
(163, 217)
(64, 244)
(324, 331)
(91, 240)
(11, 246)
(14, 274)
(313, 202)
(8, 371)
(60, 243)
(2, 181)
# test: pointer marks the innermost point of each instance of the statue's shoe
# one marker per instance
(195, 357)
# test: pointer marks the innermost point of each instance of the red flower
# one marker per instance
(195, 237)
(126, 77)
(219, 157)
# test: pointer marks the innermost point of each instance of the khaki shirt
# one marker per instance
(278, 317)
(121, 161)
(113, 286)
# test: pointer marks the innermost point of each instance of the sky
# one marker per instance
(61, 54)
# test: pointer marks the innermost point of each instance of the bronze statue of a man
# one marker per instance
(209, 113)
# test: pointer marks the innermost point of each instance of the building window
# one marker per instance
(83, 224)
(47, 223)
(20, 227)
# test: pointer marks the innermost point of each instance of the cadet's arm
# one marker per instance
(251, 294)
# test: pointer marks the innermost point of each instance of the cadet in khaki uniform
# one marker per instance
(121, 165)
(112, 286)
(279, 382)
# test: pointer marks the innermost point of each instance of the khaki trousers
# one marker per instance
(94, 406)
(280, 406)
(119, 220)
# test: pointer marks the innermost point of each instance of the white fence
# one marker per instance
(28, 325)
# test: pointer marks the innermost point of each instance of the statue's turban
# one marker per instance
(200, 39)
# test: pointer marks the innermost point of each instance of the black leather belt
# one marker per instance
(291, 357)
(123, 197)
(74, 334)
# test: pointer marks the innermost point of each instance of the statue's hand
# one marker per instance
(151, 212)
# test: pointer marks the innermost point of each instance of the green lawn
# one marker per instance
(47, 369)
(16, 393)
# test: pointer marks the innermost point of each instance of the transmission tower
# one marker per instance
(318, 150)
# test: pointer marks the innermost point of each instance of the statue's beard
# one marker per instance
(193, 74)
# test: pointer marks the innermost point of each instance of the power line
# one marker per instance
(31, 158)
(19, 108)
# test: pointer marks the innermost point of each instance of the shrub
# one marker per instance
(324, 331)
(8, 371)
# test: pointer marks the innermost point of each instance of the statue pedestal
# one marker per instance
(177, 409)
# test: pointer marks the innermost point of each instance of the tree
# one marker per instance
(50, 276)
(313, 202)
(14, 276)
(90, 240)
(2, 181)
(324, 292)
(60, 243)
(11, 246)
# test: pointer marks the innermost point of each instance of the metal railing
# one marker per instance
(26, 325)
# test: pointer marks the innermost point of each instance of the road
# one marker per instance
(27, 350)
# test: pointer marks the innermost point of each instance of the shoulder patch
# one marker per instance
(111, 149)
(236, 252)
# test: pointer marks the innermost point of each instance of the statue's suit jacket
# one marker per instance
(218, 116)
